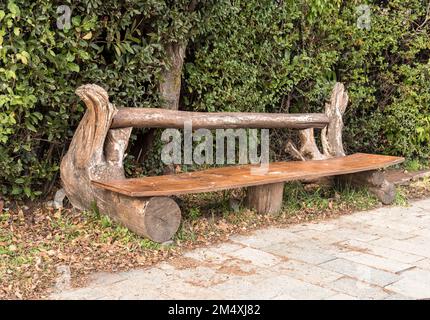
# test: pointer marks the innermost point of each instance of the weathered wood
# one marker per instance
(171, 76)
(331, 135)
(96, 153)
(170, 91)
(170, 84)
(386, 193)
(309, 149)
(331, 140)
(265, 199)
(157, 218)
(161, 118)
(241, 176)
(374, 180)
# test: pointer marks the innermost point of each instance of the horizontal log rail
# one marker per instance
(163, 118)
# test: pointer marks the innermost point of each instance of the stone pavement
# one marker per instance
(378, 254)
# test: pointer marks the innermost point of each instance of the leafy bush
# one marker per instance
(116, 44)
(283, 56)
(244, 55)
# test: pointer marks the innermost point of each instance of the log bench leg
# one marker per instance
(374, 180)
(156, 218)
(266, 198)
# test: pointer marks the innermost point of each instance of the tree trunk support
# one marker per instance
(331, 140)
(265, 199)
(96, 153)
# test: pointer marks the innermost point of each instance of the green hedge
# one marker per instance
(285, 55)
(243, 55)
(114, 43)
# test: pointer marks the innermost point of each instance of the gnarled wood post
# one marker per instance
(331, 135)
(331, 139)
(96, 153)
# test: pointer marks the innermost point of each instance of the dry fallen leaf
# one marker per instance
(88, 36)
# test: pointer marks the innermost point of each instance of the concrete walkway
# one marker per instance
(379, 254)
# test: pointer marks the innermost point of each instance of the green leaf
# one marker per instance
(16, 190)
(10, 74)
(20, 181)
(38, 115)
(27, 191)
(30, 127)
(73, 67)
(23, 56)
(13, 8)
(76, 20)
(70, 57)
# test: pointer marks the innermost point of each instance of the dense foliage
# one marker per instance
(114, 43)
(243, 55)
(285, 55)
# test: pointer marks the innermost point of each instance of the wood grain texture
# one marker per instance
(240, 176)
(170, 83)
(161, 118)
(266, 199)
(331, 135)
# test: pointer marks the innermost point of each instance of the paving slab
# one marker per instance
(361, 272)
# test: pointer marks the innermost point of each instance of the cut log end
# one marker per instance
(162, 219)
(266, 199)
(156, 218)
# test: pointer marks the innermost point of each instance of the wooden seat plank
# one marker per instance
(232, 177)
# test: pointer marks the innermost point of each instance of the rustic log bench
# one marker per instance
(92, 170)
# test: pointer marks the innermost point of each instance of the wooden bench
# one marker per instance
(92, 170)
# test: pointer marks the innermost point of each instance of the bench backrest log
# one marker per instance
(162, 118)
